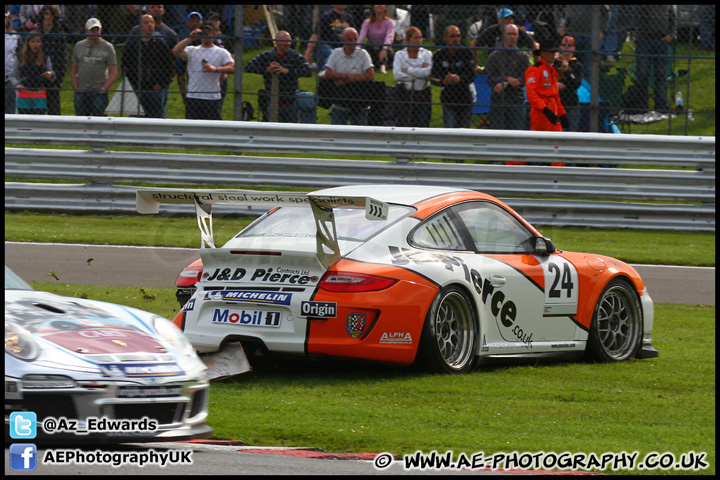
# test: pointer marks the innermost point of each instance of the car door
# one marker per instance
(528, 301)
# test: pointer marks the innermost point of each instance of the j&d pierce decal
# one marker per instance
(261, 275)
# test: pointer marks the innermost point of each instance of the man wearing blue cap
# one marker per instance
(192, 22)
(492, 36)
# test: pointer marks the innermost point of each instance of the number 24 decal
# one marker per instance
(562, 280)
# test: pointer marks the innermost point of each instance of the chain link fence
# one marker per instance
(620, 68)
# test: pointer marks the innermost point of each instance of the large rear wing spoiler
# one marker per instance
(148, 201)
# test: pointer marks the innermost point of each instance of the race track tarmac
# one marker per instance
(159, 267)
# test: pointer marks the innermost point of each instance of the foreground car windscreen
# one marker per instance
(82, 359)
(13, 282)
(351, 223)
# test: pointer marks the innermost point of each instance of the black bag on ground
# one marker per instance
(635, 99)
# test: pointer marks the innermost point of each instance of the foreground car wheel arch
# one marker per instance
(617, 325)
(450, 333)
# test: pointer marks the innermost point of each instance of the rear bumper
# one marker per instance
(380, 326)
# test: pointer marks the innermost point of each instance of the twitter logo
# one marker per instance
(23, 425)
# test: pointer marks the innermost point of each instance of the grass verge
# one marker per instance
(632, 246)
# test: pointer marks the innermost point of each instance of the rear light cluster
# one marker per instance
(189, 276)
(354, 282)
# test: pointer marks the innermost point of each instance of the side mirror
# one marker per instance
(544, 246)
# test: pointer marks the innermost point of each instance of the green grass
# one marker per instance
(136, 230)
(160, 301)
(666, 404)
(697, 89)
(653, 247)
(663, 404)
(633, 246)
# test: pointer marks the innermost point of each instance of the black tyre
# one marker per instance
(616, 331)
(450, 333)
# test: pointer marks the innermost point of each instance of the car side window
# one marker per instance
(439, 231)
(494, 230)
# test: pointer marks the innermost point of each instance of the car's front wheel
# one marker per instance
(449, 337)
(617, 325)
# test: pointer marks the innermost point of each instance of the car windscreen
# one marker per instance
(350, 223)
(13, 282)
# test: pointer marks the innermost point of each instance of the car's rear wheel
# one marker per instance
(450, 333)
(617, 325)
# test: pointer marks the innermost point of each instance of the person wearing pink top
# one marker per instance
(379, 29)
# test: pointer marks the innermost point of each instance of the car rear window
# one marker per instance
(350, 223)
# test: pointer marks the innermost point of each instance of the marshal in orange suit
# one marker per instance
(546, 110)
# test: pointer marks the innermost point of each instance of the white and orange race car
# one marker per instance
(399, 274)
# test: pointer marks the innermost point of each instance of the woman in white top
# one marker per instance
(411, 70)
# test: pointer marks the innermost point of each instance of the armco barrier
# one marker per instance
(664, 182)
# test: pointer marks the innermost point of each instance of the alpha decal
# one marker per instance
(396, 338)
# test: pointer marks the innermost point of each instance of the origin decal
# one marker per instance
(318, 309)
(189, 305)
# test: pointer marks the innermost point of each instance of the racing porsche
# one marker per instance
(104, 373)
(402, 274)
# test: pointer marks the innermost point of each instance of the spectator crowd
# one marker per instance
(532, 58)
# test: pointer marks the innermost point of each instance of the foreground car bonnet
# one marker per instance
(80, 326)
(96, 359)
